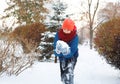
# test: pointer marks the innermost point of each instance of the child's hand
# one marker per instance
(58, 48)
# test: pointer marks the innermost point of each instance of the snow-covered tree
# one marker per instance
(26, 11)
(58, 15)
(88, 13)
(53, 24)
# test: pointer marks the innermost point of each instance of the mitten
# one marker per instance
(65, 51)
(58, 47)
(62, 47)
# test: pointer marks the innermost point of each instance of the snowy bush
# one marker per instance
(29, 35)
(34, 38)
(12, 59)
(107, 41)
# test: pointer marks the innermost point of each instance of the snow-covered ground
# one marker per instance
(90, 69)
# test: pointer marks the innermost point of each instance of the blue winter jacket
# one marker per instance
(73, 47)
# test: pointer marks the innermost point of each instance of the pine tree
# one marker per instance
(53, 25)
(58, 16)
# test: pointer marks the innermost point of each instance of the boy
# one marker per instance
(66, 48)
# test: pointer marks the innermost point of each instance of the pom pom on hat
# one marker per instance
(68, 24)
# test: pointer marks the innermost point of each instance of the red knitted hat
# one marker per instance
(68, 24)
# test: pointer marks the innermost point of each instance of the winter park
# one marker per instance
(60, 42)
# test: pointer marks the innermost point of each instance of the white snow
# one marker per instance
(62, 47)
(90, 69)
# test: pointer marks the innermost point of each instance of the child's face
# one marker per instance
(66, 31)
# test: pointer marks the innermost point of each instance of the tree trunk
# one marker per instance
(0, 65)
(82, 36)
(55, 60)
(91, 38)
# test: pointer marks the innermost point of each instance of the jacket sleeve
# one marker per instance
(73, 48)
(54, 45)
